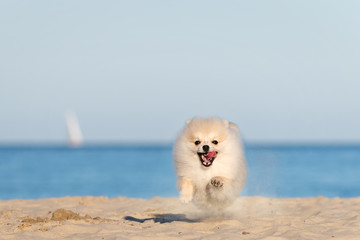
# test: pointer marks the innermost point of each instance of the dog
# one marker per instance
(209, 162)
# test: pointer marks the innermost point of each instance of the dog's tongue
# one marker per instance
(210, 155)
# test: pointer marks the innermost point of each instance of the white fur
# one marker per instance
(229, 166)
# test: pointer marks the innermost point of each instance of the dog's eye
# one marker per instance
(197, 142)
(215, 142)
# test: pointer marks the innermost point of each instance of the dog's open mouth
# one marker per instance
(207, 158)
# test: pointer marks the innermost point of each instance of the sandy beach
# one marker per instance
(167, 218)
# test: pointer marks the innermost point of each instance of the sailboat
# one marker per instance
(74, 131)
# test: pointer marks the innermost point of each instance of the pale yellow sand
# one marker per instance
(167, 218)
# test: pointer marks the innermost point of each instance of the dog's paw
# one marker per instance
(216, 182)
(186, 198)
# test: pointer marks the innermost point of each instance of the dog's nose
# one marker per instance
(206, 148)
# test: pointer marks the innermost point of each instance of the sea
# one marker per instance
(146, 171)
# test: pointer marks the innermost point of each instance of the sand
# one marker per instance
(167, 218)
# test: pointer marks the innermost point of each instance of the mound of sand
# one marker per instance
(167, 218)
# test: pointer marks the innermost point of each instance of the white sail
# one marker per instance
(74, 131)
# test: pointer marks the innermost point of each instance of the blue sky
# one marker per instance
(136, 70)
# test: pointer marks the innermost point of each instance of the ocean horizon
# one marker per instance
(32, 171)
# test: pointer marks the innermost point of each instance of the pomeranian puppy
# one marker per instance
(209, 162)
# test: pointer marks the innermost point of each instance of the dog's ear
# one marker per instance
(226, 123)
(188, 121)
(233, 126)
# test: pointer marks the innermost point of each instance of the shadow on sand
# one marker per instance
(162, 218)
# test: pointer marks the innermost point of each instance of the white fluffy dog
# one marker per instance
(210, 163)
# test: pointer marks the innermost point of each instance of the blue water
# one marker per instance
(31, 172)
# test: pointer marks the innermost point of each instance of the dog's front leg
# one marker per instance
(186, 190)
